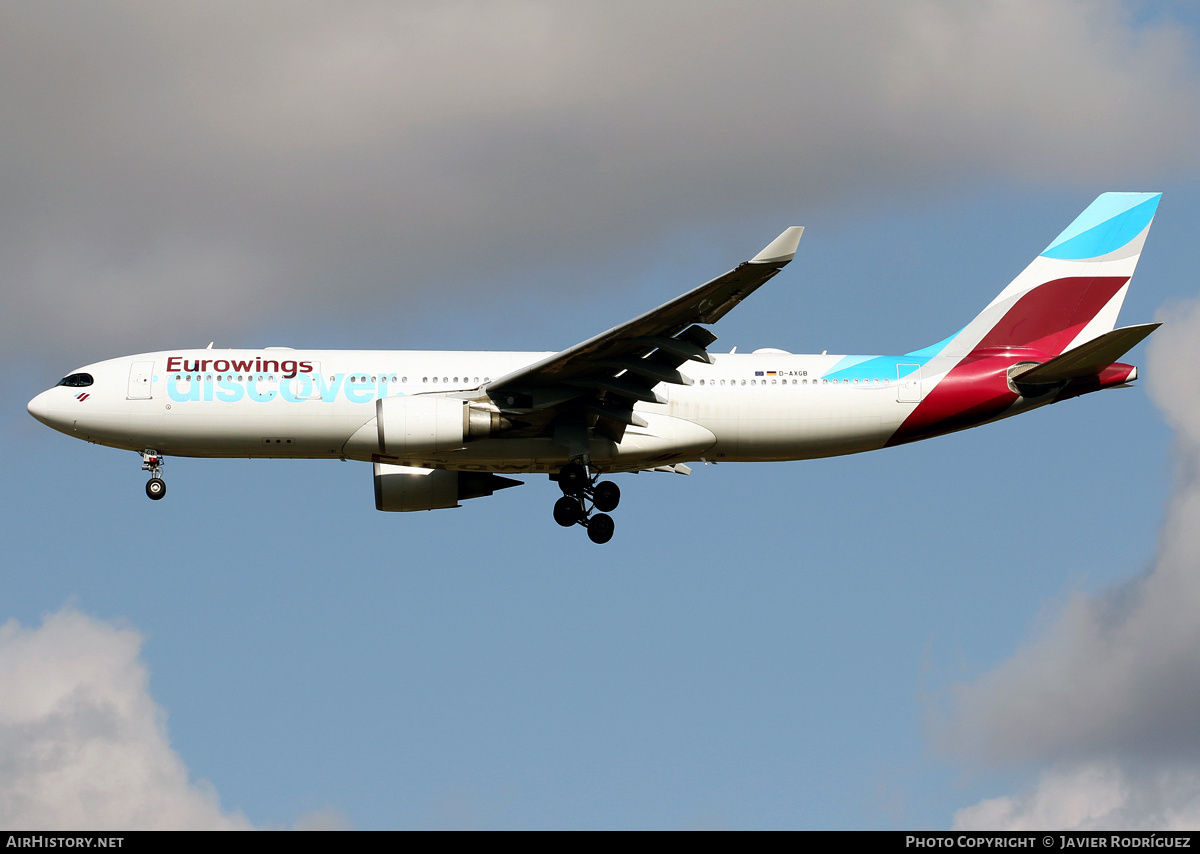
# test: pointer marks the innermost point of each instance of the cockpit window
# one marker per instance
(76, 380)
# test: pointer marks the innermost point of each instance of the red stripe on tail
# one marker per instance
(1050, 316)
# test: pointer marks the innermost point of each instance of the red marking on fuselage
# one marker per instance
(975, 390)
(1038, 327)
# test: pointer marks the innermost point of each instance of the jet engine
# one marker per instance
(404, 488)
(426, 424)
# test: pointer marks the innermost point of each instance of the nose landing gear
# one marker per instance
(153, 462)
(580, 488)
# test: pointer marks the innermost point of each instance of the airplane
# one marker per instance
(648, 395)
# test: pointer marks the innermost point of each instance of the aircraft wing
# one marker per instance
(596, 382)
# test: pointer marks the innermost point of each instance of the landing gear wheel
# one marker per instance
(607, 496)
(573, 478)
(600, 528)
(152, 462)
(567, 511)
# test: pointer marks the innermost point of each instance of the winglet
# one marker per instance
(782, 249)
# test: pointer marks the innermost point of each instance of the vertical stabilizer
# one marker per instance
(1073, 291)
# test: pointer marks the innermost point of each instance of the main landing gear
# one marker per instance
(153, 462)
(581, 489)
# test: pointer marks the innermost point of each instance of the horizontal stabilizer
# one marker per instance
(1088, 359)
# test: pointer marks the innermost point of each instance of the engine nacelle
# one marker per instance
(422, 423)
(404, 488)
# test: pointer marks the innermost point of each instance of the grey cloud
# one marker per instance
(216, 162)
(1117, 674)
(1109, 696)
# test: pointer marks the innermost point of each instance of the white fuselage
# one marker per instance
(322, 404)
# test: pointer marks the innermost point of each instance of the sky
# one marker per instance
(993, 629)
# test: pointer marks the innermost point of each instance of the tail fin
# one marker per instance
(1073, 291)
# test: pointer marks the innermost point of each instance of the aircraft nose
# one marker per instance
(40, 408)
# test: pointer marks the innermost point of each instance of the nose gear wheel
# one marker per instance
(153, 462)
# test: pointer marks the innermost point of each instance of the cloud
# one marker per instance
(1109, 696)
(224, 163)
(1117, 673)
(82, 743)
(1093, 796)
